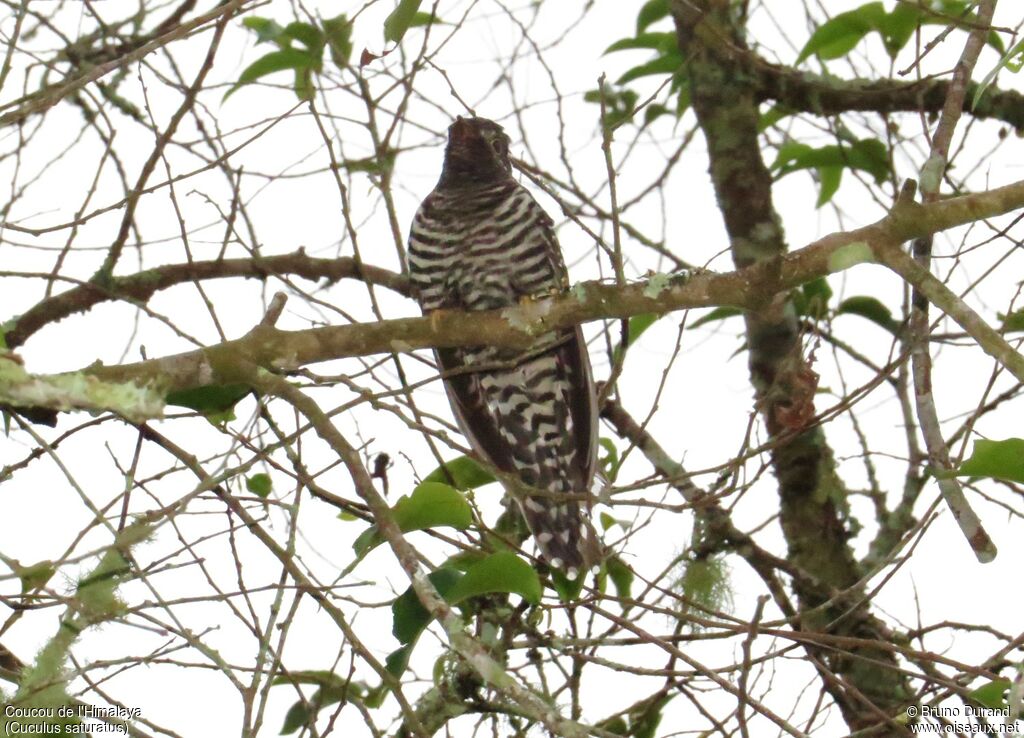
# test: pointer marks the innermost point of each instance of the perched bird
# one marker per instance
(481, 242)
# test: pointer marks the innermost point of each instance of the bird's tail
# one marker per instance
(564, 534)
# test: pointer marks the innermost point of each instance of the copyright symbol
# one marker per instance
(911, 711)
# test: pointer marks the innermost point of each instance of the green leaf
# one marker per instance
(409, 616)
(869, 155)
(374, 698)
(812, 299)
(829, 179)
(640, 323)
(297, 716)
(607, 521)
(375, 164)
(838, 36)
(464, 560)
(259, 484)
(303, 86)
(568, 589)
(664, 41)
(275, 61)
(465, 473)
(424, 19)
(621, 576)
(499, 572)
(817, 289)
(333, 689)
(869, 308)
(665, 64)
(899, 25)
(400, 20)
(609, 463)
(654, 111)
(398, 660)
(615, 725)
(1007, 62)
(1013, 322)
(338, 32)
(651, 12)
(265, 28)
(305, 33)
(215, 401)
(996, 459)
(842, 33)
(683, 101)
(619, 105)
(644, 723)
(993, 694)
(719, 313)
(772, 116)
(368, 540)
(1015, 65)
(319, 677)
(431, 505)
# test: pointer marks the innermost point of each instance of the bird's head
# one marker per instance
(477, 153)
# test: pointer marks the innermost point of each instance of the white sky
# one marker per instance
(708, 393)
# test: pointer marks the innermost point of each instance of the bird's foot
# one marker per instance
(535, 297)
(437, 317)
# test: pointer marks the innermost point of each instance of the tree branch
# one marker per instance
(519, 327)
(468, 647)
(931, 180)
(139, 288)
(50, 96)
(811, 93)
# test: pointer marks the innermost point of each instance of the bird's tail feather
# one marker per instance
(564, 534)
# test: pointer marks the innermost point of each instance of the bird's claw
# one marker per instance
(534, 297)
(436, 317)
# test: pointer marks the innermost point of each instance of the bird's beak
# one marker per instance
(461, 131)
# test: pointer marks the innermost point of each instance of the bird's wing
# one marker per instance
(582, 402)
(575, 360)
(470, 405)
(481, 426)
(476, 412)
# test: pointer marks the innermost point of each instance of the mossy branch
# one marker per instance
(76, 391)
(518, 327)
(749, 288)
(43, 683)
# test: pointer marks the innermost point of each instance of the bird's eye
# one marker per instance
(498, 142)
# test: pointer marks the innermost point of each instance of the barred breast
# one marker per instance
(482, 250)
